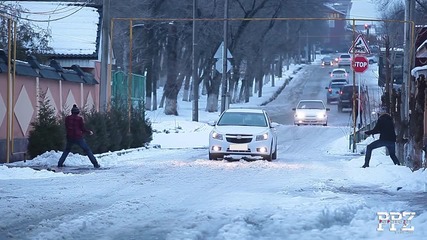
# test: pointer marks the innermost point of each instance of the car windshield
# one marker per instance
(345, 56)
(242, 119)
(311, 105)
(336, 86)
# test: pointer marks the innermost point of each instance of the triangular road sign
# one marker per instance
(220, 52)
(360, 46)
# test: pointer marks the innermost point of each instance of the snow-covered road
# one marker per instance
(315, 190)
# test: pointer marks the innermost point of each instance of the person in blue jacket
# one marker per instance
(385, 127)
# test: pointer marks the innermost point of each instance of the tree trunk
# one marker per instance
(149, 85)
(212, 103)
(171, 87)
(171, 106)
(186, 93)
(212, 86)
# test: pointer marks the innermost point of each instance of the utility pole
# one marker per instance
(407, 63)
(224, 60)
(195, 75)
(103, 96)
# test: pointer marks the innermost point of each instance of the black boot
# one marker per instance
(365, 165)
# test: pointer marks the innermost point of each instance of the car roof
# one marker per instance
(339, 69)
(308, 100)
(350, 85)
(245, 110)
(337, 84)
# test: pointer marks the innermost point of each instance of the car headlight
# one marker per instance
(262, 137)
(321, 115)
(216, 135)
(299, 115)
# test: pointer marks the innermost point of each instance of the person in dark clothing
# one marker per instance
(385, 127)
(75, 129)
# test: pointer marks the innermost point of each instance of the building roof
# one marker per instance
(74, 27)
(54, 71)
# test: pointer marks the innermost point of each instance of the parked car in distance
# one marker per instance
(333, 92)
(346, 96)
(311, 112)
(344, 60)
(372, 58)
(247, 133)
(327, 61)
(338, 73)
(338, 81)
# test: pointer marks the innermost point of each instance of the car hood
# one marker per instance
(240, 129)
(310, 111)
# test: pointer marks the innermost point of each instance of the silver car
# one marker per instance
(245, 133)
(311, 112)
(344, 60)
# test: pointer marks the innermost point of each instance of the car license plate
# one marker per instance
(239, 147)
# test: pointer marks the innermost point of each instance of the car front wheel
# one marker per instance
(274, 156)
(269, 157)
(213, 156)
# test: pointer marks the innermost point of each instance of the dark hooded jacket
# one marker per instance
(385, 127)
(74, 125)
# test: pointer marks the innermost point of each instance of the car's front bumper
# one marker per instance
(230, 147)
(311, 121)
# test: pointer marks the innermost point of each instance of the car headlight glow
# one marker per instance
(321, 115)
(216, 135)
(262, 137)
(300, 115)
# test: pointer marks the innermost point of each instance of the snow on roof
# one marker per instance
(424, 44)
(73, 27)
(422, 70)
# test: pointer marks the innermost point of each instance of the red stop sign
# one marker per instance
(360, 64)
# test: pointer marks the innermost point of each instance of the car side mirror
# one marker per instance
(274, 124)
(328, 109)
(212, 123)
(293, 109)
(326, 88)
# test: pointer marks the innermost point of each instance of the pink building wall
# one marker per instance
(62, 94)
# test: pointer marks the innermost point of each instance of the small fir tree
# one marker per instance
(47, 132)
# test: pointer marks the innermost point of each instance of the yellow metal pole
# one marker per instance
(109, 64)
(130, 73)
(13, 87)
(354, 91)
(8, 94)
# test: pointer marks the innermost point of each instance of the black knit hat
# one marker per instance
(75, 109)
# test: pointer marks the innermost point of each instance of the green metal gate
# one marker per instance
(120, 88)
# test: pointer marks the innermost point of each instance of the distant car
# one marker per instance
(339, 73)
(344, 60)
(247, 133)
(313, 112)
(333, 92)
(346, 96)
(327, 61)
(372, 58)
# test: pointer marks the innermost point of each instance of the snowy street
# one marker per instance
(316, 189)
